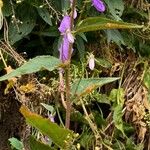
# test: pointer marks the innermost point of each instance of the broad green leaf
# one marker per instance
(80, 46)
(85, 86)
(27, 19)
(45, 15)
(58, 135)
(50, 32)
(116, 8)
(15, 143)
(33, 65)
(101, 23)
(37, 145)
(115, 36)
(6, 9)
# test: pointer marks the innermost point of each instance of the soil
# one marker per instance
(12, 123)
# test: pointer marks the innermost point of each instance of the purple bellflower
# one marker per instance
(63, 50)
(99, 5)
(64, 29)
(65, 24)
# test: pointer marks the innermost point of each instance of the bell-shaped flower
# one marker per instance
(65, 24)
(91, 62)
(99, 5)
(64, 49)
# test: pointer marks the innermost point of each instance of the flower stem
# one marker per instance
(67, 73)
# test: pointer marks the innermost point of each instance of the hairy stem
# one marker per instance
(67, 74)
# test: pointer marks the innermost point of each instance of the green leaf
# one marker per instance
(85, 86)
(33, 65)
(116, 8)
(117, 117)
(117, 96)
(50, 32)
(45, 15)
(101, 23)
(80, 46)
(6, 9)
(27, 19)
(48, 107)
(103, 62)
(37, 145)
(58, 135)
(16, 143)
(115, 36)
(147, 79)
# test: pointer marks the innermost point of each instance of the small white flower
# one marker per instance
(91, 62)
(51, 117)
(75, 13)
(70, 37)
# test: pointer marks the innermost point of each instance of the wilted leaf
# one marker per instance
(85, 86)
(33, 65)
(57, 134)
(100, 23)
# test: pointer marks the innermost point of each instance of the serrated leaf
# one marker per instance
(16, 143)
(27, 19)
(37, 145)
(45, 15)
(101, 23)
(33, 65)
(85, 86)
(57, 134)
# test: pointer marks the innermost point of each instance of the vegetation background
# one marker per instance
(110, 104)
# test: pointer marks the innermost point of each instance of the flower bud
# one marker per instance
(91, 62)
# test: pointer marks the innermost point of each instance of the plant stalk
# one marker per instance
(67, 73)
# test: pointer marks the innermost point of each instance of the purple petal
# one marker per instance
(64, 48)
(99, 5)
(65, 24)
